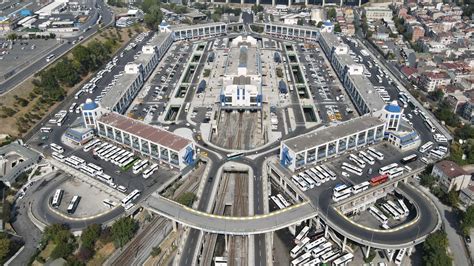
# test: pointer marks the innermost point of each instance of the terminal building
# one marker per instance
(242, 82)
(303, 33)
(155, 143)
(186, 32)
(119, 97)
(329, 142)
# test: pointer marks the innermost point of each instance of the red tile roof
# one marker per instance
(450, 169)
(145, 131)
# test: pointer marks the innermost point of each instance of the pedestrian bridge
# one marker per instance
(247, 225)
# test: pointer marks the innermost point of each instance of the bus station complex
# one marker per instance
(290, 120)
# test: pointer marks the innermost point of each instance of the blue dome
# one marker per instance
(393, 108)
(327, 23)
(89, 105)
(164, 24)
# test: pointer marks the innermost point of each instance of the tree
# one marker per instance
(257, 8)
(62, 250)
(467, 220)
(452, 198)
(331, 13)
(436, 95)
(337, 28)
(300, 22)
(320, 24)
(155, 251)
(444, 113)
(90, 235)
(427, 180)
(153, 17)
(123, 230)
(4, 246)
(187, 199)
(434, 249)
(12, 36)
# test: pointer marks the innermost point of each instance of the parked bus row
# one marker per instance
(59, 118)
(314, 176)
(280, 201)
(318, 251)
(397, 210)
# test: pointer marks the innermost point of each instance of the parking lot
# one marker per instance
(22, 53)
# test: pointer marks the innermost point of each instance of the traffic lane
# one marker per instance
(190, 247)
(427, 222)
(260, 250)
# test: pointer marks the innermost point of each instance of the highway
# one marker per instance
(34, 67)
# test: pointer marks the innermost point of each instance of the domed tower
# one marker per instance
(392, 114)
(90, 112)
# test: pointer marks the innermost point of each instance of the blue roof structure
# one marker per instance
(393, 108)
(164, 24)
(327, 23)
(89, 105)
(25, 12)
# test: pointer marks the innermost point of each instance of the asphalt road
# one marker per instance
(107, 17)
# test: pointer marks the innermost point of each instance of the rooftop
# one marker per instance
(328, 134)
(368, 93)
(118, 90)
(145, 131)
(450, 169)
(196, 26)
(330, 38)
(243, 56)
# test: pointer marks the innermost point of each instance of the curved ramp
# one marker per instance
(248, 225)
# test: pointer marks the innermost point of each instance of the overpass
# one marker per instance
(218, 224)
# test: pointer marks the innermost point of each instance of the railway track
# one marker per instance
(238, 246)
(128, 256)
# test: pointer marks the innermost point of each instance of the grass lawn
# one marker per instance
(102, 254)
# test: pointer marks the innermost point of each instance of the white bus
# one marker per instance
(303, 185)
(302, 234)
(148, 172)
(58, 195)
(377, 155)
(404, 102)
(437, 154)
(58, 156)
(108, 203)
(130, 197)
(46, 129)
(331, 174)
(352, 168)
(410, 158)
(308, 180)
(298, 248)
(110, 153)
(360, 187)
(87, 170)
(72, 109)
(60, 121)
(331, 255)
(430, 125)
(396, 172)
(186, 108)
(367, 158)
(384, 170)
(104, 178)
(313, 262)
(283, 200)
(50, 57)
(80, 160)
(316, 179)
(73, 204)
(124, 159)
(71, 162)
(357, 160)
(400, 255)
(404, 207)
(343, 260)
(277, 202)
(425, 147)
(396, 207)
(391, 210)
(97, 168)
(337, 196)
(316, 243)
(378, 215)
(128, 161)
(93, 143)
(101, 148)
(323, 173)
(322, 249)
(138, 167)
(339, 188)
(301, 259)
(78, 94)
(55, 147)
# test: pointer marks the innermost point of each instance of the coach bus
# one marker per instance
(88, 170)
(46, 129)
(73, 204)
(437, 154)
(71, 162)
(93, 143)
(322, 249)
(299, 247)
(396, 207)
(398, 171)
(410, 158)
(384, 170)
(357, 160)
(360, 187)
(400, 255)
(55, 147)
(58, 156)
(331, 255)
(283, 200)
(323, 173)
(343, 194)
(316, 243)
(377, 180)
(425, 147)
(58, 195)
(104, 178)
(352, 168)
(301, 260)
(391, 210)
(277, 202)
(343, 260)
(376, 154)
(148, 172)
(430, 125)
(130, 197)
(367, 158)
(302, 234)
(139, 166)
(331, 174)
(404, 207)
(378, 215)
